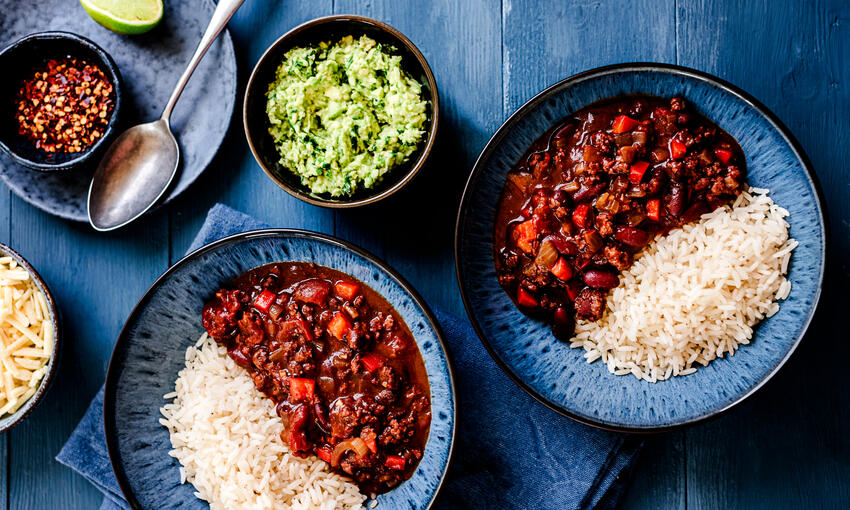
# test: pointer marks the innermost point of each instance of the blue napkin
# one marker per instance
(510, 451)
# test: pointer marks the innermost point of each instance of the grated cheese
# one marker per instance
(26, 336)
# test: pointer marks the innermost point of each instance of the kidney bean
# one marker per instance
(298, 418)
(240, 359)
(634, 237)
(601, 279)
(585, 192)
(676, 200)
(694, 212)
(562, 244)
(320, 416)
(314, 291)
(563, 324)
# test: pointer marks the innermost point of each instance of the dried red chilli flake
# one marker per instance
(65, 106)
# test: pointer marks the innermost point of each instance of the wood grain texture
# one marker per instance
(95, 280)
(659, 477)
(545, 42)
(5, 223)
(787, 447)
(234, 178)
(414, 229)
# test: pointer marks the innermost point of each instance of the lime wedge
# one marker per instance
(125, 16)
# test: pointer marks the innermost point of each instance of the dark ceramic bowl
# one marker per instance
(19, 60)
(9, 421)
(559, 376)
(332, 28)
(151, 350)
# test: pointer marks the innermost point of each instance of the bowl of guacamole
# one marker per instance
(341, 111)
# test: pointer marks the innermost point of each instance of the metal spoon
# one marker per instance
(140, 164)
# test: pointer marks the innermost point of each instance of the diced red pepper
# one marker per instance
(264, 300)
(339, 325)
(369, 439)
(372, 362)
(637, 170)
(624, 123)
(562, 269)
(723, 155)
(677, 149)
(526, 233)
(325, 454)
(347, 290)
(372, 445)
(653, 209)
(524, 298)
(301, 389)
(300, 324)
(395, 462)
(580, 215)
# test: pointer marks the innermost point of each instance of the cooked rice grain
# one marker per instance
(695, 294)
(226, 436)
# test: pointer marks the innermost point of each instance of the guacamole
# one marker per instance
(343, 115)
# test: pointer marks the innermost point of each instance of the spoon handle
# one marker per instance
(223, 12)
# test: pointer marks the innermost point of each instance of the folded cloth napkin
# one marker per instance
(510, 450)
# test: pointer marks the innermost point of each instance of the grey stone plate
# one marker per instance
(150, 65)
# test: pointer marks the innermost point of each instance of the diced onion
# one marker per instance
(355, 444)
(547, 255)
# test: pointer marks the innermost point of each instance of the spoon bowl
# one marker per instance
(139, 166)
(133, 175)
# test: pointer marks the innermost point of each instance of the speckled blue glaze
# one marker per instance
(151, 348)
(200, 119)
(558, 375)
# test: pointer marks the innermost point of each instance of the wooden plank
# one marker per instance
(234, 178)
(96, 279)
(544, 44)
(659, 480)
(787, 447)
(414, 229)
(5, 222)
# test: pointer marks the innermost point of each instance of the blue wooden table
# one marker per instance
(786, 447)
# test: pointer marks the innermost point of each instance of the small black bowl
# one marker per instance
(19, 60)
(333, 28)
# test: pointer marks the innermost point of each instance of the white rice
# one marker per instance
(226, 435)
(695, 294)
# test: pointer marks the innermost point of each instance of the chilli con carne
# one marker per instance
(339, 362)
(596, 188)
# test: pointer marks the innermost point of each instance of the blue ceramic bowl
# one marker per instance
(559, 376)
(151, 347)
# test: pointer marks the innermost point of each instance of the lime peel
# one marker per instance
(128, 17)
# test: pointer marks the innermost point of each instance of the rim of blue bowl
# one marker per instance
(107, 65)
(111, 371)
(642, 67)
(53, 363)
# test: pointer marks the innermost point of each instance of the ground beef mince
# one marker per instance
(596, 188)
(342, 367)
